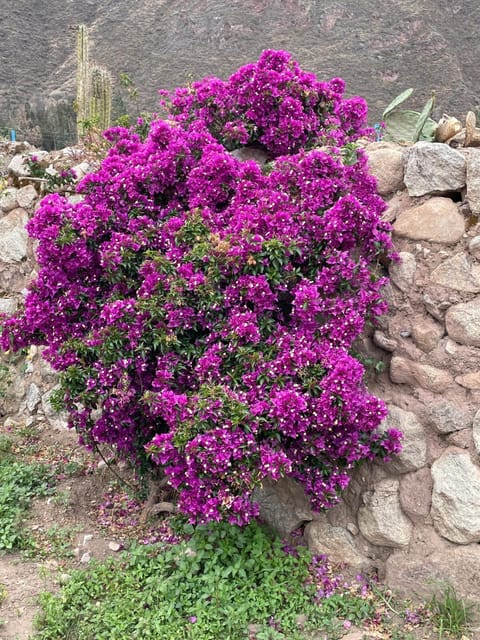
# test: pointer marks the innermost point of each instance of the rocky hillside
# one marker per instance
(379, 48)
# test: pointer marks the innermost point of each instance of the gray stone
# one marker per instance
(283, 505)
(473, 180)
(8, 199)
(384, 342)
(458, 273)
(386, 164)
(447, 417)
(26, 196)
(416, 494)
(381, 520)
(18, 167)
(456, 497)
(402, 273)
(437, 220)
(474, 246)
(433, 168)
(335, 542)
(414, 443)
(463, 322)
(250, 153)
(476, 431)
(114, 546)
(33, 397)
(57, 420)
(426, 333)
(404, 371)
(433, 308)
(13, 237)
(8, 305)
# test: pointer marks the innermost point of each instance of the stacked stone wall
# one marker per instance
(416, 519)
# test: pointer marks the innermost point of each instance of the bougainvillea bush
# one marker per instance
(202, 310)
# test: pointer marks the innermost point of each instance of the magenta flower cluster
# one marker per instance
(202, 310)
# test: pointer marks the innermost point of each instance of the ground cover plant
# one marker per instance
(20, 482)
(202, 310)
(219, 582)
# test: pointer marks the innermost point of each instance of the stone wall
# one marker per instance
(416, 520)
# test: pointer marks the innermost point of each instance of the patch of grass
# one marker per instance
(20, 482)
(215, 585)
(451, 614)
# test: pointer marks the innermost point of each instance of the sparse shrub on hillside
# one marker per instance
(201, 310)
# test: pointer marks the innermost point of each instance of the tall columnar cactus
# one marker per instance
(94, 90)
(83, 84)
(100, 97)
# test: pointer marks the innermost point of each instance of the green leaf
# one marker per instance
(424, 117)
(396, 102)
(400, 126)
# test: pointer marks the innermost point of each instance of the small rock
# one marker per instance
(283, 505)
(458, 273)
(381, 520)
(456, 497)
(63, 578)
(402, 273)
(446, 417)
(8, 306)
(473, 180)
(474, 246)
(386, 165)
(13, 236)
(416, 493)
(404, 371)
(469, 380)
(26, 196)
(8, 199)
(114, 546)
(33, 397)
(250, 153)
(86, 539)
(426, 333)
(335, 542)
(433, 168)
(437, 220)
(414, 443)
(451, 347)
(384, 342)
(86, 557)
(476, 431)
(463, 322)
(433, 308)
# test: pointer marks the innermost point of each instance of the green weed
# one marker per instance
(19, 483)
(451, 614)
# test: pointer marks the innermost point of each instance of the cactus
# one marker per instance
(101, 97)
(403, 125)
(82, 100)
(94, 90)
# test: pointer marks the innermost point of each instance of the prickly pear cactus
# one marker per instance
(404, 125)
